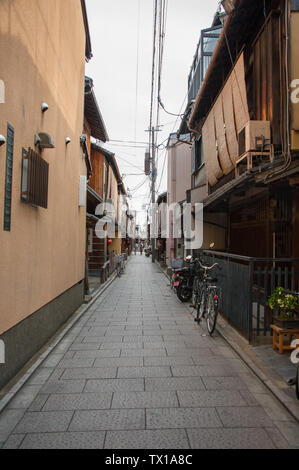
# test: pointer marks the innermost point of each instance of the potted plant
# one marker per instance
(286, 307)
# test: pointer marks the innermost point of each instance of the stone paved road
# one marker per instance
(137, 372)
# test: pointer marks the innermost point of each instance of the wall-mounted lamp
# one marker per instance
(44, 141)
(67, 140)
(2, 140)
(45, 107)
(83, 139)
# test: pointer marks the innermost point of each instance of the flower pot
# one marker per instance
(289, 324)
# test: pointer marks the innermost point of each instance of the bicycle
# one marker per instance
(208, 302)
(196, 284)
(120, 266)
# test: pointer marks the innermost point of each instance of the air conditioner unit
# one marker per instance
(255, 136)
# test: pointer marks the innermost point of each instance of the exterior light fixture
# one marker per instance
(67, 140)
(228, 6)
(2, 140)
(44, 141)
(45, 107)
(83, 139)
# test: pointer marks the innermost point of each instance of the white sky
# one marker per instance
(114, 31)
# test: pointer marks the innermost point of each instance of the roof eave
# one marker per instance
(88, 49)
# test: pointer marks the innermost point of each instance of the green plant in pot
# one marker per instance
(286, 307)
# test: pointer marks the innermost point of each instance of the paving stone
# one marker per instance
(148, 439)
(40, 376)
(67, 386)
(203, 371)
(55, 375)
(98, 353)
(107, 420)
(8, 421)
(181, 350)
(64, 440)
(114, 385)
(143, 338)
(69, 355)
(167, 418)
(24, 397)
(237, 417)
(76, 362)
(272, 407)
(119, 361)
(290, 431)
(52, 360)
(210, 398)
(174, 383)
(14, 441)
(146, 352)
(229, 439)
(144, 399)
(84, 347)
(224, 383)
(135, 372)
(78, 401)
(168, 361)
(38, 402)
(50, 421)
(90, 373)
(103, 339)
(121, 346)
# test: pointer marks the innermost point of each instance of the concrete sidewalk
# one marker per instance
(136, 372)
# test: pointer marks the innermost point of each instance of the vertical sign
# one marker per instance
(82, 191)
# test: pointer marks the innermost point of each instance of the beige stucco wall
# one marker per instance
(42, 58)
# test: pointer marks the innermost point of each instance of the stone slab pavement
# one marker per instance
(136, 372)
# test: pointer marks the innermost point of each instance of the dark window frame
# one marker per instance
(8, 178)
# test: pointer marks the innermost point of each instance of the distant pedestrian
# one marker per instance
(135, 248)
(141, 248)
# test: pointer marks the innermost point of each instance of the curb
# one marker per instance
(291, 407)
(52, 345)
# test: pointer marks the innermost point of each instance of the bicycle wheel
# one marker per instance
(118, 270)
(195, 294)
(297, 383)
(201, 306)
(212, 312)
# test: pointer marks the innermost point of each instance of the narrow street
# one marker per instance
(136, 372)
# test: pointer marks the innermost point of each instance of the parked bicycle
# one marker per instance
(120, 265)
(208, 300)
(197, 283)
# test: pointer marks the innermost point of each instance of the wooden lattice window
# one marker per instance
(35, 174)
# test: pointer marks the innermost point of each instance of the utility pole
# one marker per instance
(154, 175)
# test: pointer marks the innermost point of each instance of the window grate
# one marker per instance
(8, 177)
(35, 175)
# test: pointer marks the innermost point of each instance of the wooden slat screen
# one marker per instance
(35, 179)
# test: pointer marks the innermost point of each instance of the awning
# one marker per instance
(221, 194)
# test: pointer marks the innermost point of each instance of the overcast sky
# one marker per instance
(114, 30)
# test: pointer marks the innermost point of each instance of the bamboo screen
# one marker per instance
(225, 120)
